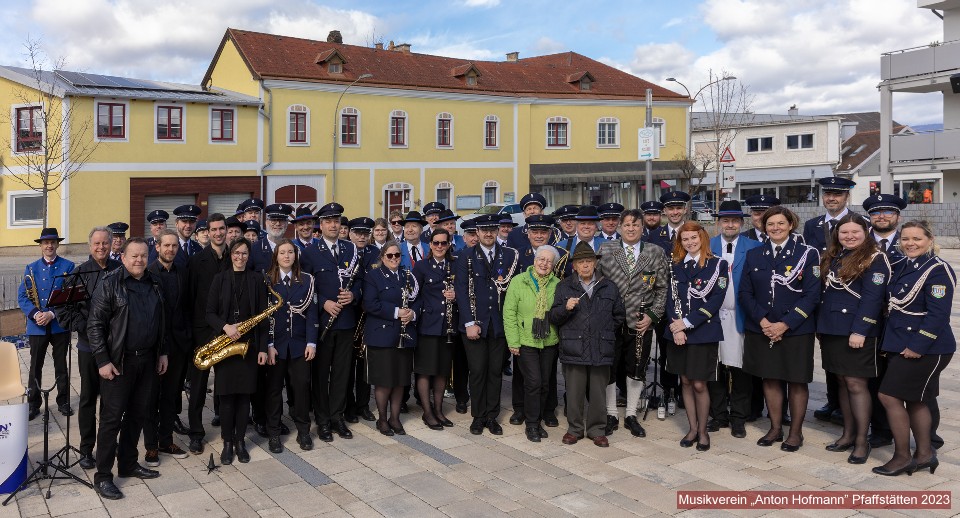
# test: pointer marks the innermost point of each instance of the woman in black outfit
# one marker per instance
(236, 295)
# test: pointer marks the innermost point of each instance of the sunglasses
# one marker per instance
(398, 222)
(439, 243)
(392, 256)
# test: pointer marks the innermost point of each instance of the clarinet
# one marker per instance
(448, 284)
(404, 304)
(639, 371)
(677, 305)
(471, 295)
(332, 319)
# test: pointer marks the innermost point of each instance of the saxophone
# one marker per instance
(222, 347)
(30, 286)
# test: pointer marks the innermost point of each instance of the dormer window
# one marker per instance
(468, 72)
(471, 80)
(585, 83)
(581, 80)
(333, 60)
(335, 68)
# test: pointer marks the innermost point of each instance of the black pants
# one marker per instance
(158, 430)
(38, 353)
(89, 393)
(124, 402)
(732, 389)
(833, 390)
(258, 399)
(198, 397)
(298, 371)
(234, 413)
(358, 393)
(518, 385)
(485, 360)
(669, 380)
(331, 376)
(461, 371)
(538, 366)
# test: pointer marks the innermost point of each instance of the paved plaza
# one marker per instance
(453, 473)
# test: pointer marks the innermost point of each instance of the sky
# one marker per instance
(821, 55)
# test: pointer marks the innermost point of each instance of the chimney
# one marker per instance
(793, 111)
(847, 130)
(378, 45)
(334, 37)
(513, 57)
(403, 47)
(390, 46)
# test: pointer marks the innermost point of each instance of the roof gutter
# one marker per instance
(267, 116)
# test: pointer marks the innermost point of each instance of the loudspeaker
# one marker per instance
(955, 83)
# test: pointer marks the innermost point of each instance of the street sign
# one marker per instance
(649, 148)
(728, 175)
(727, 156)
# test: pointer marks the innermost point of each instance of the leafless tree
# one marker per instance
(44, 160)
(693, 170)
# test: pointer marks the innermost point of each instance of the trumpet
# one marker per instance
(30, 286)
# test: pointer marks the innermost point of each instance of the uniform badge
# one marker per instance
(789, 267)
(816, 271)
(878, 278)
(722, 282)
(938, 290)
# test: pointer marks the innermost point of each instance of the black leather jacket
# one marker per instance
(107, 324)
(74, 316)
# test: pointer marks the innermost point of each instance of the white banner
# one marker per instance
(13, 446)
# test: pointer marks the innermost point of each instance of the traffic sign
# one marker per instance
(727, 156)
(728, 176)
(649, 147)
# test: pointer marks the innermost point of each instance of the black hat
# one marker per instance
(609, 210)
(49, 233)
(434, 207)
(251, 204)
(414, 217)
(674, 198)
(587, 213)
(836, 184)
(157, 216)
(533, 197)
(330, 210)
(119, 228)
(251, 225)
(187, 212)
(361, 224)
(447, 215)
(344, 221)
(583, 250)
(232, 221)
(316, 225)
(506, 219)
(486, 221)
(469, 226)
(651, 207)
(540, 221)
(761, 202)
(201, 225)
(884, 202)
(304, 214)
(279, 211)
(730, 209)
(566, 212)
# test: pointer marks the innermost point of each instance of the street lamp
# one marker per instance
(336, 121)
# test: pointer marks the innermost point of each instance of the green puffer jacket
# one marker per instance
(518, 308)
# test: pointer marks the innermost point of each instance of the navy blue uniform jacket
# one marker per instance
(489, 304)
(432, 319)
(793, 303)
(382, 297)
(330, 275)
(922, 322)
(291, 331)
(701, 313)
(841, 312)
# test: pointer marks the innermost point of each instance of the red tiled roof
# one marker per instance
(861, 146)
(280, 57)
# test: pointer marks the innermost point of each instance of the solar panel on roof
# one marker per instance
(75, 78)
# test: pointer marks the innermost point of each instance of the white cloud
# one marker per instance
(657, 61)
(481, 3)
(546, 45)
(672, 22)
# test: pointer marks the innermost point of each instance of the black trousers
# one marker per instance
(258, 399)
(158, 430)
(667, 379)
(358, 393)
(38, 353)
(461, 371)
(198, 397)
(234, 414)
(331, 376)
(538, 366)
(89, 393)
(730, 395)
(518, 389)
(124, 403)
(485, 361)
(833, 390)
(298, 371)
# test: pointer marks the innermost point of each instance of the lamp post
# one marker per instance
(690, 124)
(336, 121)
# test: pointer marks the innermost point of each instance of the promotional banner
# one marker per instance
(13, 446)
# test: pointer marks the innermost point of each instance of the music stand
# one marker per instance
(651, 388)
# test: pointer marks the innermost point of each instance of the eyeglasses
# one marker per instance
(398, 222)
(883, 213)
(392, 256)
(440, 243)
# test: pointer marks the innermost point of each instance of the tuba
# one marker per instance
(222, 347)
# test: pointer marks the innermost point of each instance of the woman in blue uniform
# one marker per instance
(293, 343)
(855, 276)
(697, 287)
(437, 326)
(389, 333)
(779, 294)
(919, 344)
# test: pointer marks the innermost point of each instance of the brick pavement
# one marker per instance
(452, 473)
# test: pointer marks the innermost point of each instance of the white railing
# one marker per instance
(934, 145)
(926, 59)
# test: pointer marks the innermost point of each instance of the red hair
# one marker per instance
(679, 252)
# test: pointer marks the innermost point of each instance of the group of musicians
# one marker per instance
(408, 301)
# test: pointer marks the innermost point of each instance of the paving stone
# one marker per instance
(330, 461)
(71, 498)
(196, 502)
(137, 501)
(268, 473)
(364, 482)
(404, 505)
(301, 499)
(237, 508)
(472, 509)
(583, 504)
(534, 482)
(432, 489)
(256, 499)
(591, 469)
(483, 458)
(338, 495)
(173, 479)
(496, 499)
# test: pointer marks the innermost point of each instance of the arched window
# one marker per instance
(491, 132)
(398, 128)
(491, 192)
(558, 132)
(608, 132)
(298, 125)
(349, 127)
(444, 130)
(444, 194)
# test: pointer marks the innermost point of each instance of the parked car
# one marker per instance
(701, 210)
(513, 209)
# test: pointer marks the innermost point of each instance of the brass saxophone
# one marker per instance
(30, 286)
(222, 347)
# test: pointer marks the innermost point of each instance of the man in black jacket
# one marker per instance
(74, 318)
(128, 335)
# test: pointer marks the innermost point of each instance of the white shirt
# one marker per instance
(330, 244)
(635, 247)
(828, 217)
(488, 251)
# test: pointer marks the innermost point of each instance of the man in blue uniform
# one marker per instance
(758, 205)
(252, 209)
(278, 219)
(447, 220)
(358, 390)
(587, 218)
(566, 223)
(531, 204)
(186, 222)
(202, 233)
(43, 329)
(158, 222)
(303, 221)
(412, 246)
(610, 220)
(675, 209)
(653, 230)
(119, 232)
(431, 213)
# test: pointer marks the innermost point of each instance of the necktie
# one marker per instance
(631, 258)
(832, 223)
(729, 248)
(883, 244)
(286, 281)
(609, 238)
(490, 256)
(333, 250)
(415, 254)
(763, 236)
(673, 235)
(776, 251)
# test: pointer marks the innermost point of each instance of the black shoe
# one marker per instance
(87, 461)
(404, 409)
(261, 430)
(398, 429)
(908, 469)
(494, 427)
(305, 442)
(476, 427)
(340, 426)
(836, 417)
(792, 447)
(196, 446)
(836, 446)
(507, 371)
(533, 435)
(853, 459)
(215, 421)
(516, 418)
(65, 409)
(461, 408)
(879, 441)
(714, 425)
(34, 412)
(686, 443)
(139, 472)
(226, 454)
(823, 413)
(446, 422)
(701, 446)
(932, 464)
(436, 426)
(612, 424)
(366, 414)
(631, 423)
(275, 445)
(763, 441)
(324, 433)
(283, 429)
(542, 432)
(179, 428)
(107, 489)
(551, 421)
(384, 428)
(242, 454)
(351, 418)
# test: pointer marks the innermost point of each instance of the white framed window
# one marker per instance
(24, 209)
(660, 126)
(608, 132)
(398, 129)
(169, 123)
(349, 127)
(801, 141)
(298, 125)
(444, 131)
(26, 131)
(335, 67)
(113, 120)
(491, 132)
(558, 133)
(491, 192)
(759, 144)
(444, 194)
(223, 125)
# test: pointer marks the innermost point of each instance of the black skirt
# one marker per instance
(697, 362)
(838, 357)
(433, 356)
(790, 359)
(389, 366)
(915, 379)
(237, 374)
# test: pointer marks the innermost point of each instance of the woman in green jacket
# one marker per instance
(530, 334)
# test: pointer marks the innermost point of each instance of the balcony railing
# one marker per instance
(935, 145)
(916, 61)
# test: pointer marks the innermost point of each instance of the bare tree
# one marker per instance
(53, 140)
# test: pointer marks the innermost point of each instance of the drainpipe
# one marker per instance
(267, 116)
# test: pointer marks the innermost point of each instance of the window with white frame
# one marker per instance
(169, 123)
(222, 127)
(759, 144)
(398, 128)
(491, 132)
(660, 127)
(444, 193)
(298, 125)
(491, 192)
(25, 208)
(802, 141)
(608, 132)
(112, 120)
(558, 132)
(349, 127)
(29, 129)
(444, 130)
